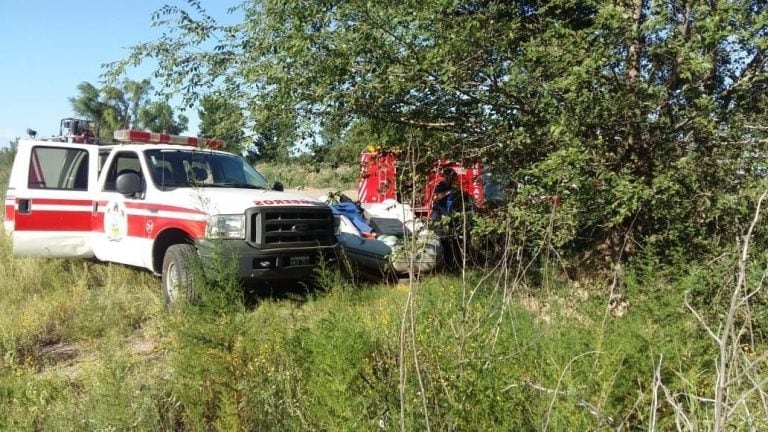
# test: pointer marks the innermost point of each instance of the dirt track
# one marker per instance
(318, 192)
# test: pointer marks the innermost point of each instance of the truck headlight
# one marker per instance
(226, 227)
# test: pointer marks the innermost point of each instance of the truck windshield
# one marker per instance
(191, 168)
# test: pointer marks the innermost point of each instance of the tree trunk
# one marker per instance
(618, 242)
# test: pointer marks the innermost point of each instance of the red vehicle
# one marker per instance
(377, 177)
(378, 180)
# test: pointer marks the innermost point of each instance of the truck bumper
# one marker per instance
(252, 264)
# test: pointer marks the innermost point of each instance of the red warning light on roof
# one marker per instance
(128, 135)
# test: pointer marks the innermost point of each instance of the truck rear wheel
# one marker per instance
(179, 267)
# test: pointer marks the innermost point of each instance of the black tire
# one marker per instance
(180, 265)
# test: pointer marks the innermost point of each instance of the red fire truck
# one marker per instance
(378, 180)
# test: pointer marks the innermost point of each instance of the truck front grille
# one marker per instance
(276, 227)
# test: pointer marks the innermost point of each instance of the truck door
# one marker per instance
(119, 220)
(52, 186)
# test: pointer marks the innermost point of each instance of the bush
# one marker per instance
(343, 177)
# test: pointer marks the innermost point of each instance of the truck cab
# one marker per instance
(161, 202)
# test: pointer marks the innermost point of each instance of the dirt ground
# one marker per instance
(319, 192)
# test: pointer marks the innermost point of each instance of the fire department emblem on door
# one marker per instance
(115, 221)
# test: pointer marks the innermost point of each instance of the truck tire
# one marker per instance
(178, 278)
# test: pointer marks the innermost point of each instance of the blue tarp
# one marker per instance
(353, 213)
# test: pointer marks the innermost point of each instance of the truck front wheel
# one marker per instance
(180, 265)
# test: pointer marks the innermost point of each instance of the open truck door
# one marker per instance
(49, 203)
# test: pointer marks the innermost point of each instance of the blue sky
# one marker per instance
(48, 47)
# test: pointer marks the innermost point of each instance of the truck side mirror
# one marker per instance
(128, 183)
(278, 187)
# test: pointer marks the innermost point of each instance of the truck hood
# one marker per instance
(235, 200)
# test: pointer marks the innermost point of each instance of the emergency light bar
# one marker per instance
(163, 138)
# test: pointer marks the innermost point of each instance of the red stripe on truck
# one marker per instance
(160, 207)
(43, 220)
(9, 212)
(195, 229)
(146, 226)
(63, 202)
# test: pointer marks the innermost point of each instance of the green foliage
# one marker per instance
(644, 118)
(110, 107)
(269, 144)
(158, 117)
(7, 155)
(219, 118)
(125, 106)
(88, 103)
(307, 174)
(136, 95)
(342, 144)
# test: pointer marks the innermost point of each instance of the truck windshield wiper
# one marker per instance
(233, 185)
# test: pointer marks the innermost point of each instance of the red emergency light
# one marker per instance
(129, 135)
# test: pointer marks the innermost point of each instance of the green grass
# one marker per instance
(446, 353)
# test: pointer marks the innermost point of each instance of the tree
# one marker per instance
(643, 118)
(111, 107)
(343, 146)
(158, 117)
(222, 119)
(266, 145)
(7, 155)
(136, 94)
(12, 145)
(88, 104)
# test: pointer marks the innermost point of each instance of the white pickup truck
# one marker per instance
(161, 202)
